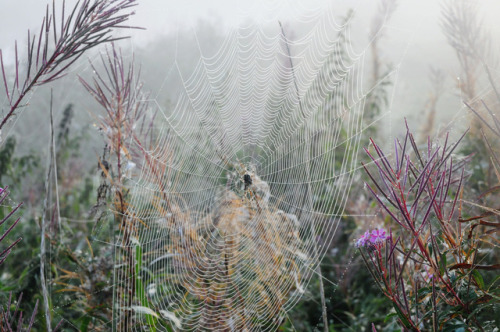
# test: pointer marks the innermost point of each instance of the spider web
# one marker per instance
(211, 250)
(244, 188)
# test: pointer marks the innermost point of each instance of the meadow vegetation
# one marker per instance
(425, 260)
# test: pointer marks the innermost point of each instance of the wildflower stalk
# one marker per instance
(4, 193)
(420, 196)
(117, 93)
(60, 43)
(9, 318)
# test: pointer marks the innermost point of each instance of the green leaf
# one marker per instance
(479, 279)
(424, 291)
(138, 259)
(389, 316)
(85, 324)
(442, 264)
(455, 327)
(402, 316)
(476, 311)
(151, 316)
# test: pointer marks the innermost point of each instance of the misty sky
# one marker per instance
(166, 16)
(412, 39)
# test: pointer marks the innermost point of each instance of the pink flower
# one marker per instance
(375, 237)
(378, 236)
(362, 240)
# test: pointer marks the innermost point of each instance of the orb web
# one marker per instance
(246, 181)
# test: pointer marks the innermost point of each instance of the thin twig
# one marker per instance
(44, 224)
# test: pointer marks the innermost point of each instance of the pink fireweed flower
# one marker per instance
(378, 236)
(362, 240)
(369, 239)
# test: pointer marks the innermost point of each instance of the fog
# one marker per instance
(411, 42)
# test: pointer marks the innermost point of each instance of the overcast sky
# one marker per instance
(166, 16)
(415, 23)
(413, 39)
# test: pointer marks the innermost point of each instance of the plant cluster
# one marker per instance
(432, 265)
